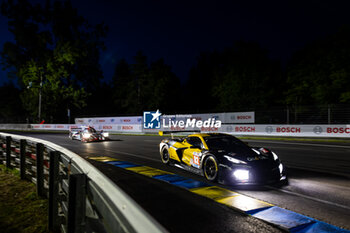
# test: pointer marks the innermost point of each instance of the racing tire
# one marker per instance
(210, 168)
(164, 155)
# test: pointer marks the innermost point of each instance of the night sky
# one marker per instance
(179, 30)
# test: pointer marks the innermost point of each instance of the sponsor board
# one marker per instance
(109, 120)
(239, 117)
(289, 130)
(249, 130)
(225, 118)
(52, 126)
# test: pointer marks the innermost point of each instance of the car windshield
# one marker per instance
(91, 130)
(223, 143)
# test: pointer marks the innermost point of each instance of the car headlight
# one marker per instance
(275, 157)
(280, 167)
(86, 135)
(233, 160)
(105, 134)
(241, 174)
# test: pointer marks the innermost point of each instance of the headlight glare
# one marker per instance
(275, 157)
(105, 134)
(280, 167)
(86, 135)
(233, 160)
(241, 174)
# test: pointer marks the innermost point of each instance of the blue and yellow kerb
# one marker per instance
(282, 218)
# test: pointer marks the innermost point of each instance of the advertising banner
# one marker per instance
(289, 130)
(52, 126)
(239, 117)
(109, 120)
(123, 128)
(340, 131)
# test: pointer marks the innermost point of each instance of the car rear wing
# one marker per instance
(161, 133)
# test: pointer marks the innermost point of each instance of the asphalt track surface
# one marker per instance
(323, 195)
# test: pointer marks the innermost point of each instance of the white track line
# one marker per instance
(311, 198)
(135, 155)
(301, 144)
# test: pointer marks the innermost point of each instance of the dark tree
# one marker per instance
(164, 88)
(123, 87)
(242, 77)
(10, 104)
(320, 73)
(55, 53)
(199, 86)
(139, 87)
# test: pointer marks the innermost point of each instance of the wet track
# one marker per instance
(318, 195)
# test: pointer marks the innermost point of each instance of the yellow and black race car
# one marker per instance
(223, 158)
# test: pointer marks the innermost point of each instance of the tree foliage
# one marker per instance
(139, 86)
(55, 51)
(10, 104)
(320, 73)
(239, 77)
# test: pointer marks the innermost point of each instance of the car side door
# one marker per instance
(192, 155)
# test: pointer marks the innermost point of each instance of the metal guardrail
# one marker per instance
(81, 198)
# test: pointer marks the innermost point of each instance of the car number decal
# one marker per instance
(196, 161)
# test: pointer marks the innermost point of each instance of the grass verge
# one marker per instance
(20, 208)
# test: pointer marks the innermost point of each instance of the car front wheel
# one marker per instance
(164, 155)
(210, 168)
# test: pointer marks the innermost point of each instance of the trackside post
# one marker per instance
(53, 192)
(22, 158)
(76, 203)
(8, 151)
(39, 169)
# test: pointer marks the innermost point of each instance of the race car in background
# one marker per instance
(223, 158)
(87, 134)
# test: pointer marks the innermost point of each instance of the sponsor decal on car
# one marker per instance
(256, 158)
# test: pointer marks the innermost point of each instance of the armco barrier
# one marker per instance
(81, 198)
(15, 126)
(116, 128)
(331, 131)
